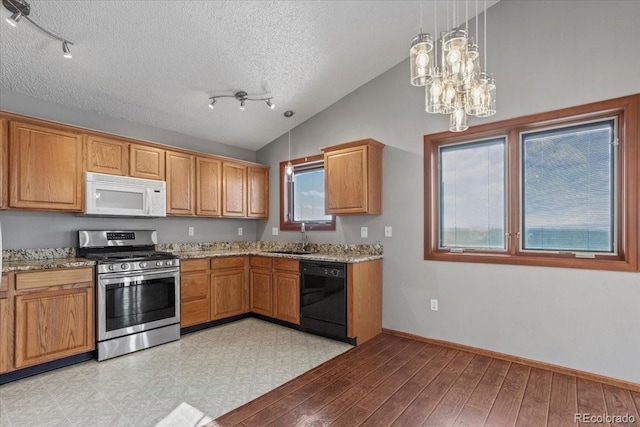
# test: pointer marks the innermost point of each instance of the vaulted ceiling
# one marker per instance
(158, 62)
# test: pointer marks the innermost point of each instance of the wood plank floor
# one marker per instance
(401, 382)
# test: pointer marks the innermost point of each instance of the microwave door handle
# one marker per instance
(148, 203)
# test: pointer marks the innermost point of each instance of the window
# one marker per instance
(554, 189)
(302, 196)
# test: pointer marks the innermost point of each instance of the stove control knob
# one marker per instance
(159, 264)
(142, 264)
(112, 267)
(169, 262)
(124, 266)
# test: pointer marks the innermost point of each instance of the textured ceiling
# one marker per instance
(158, 62)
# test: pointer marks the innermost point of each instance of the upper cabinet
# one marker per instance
(180, 183)
(4, 163)
(209, 186)
(46, 168)
(146, 162)
(353, 178)
(258, 192)
(105, 155)
(234, 189)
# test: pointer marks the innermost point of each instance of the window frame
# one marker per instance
(286, 215)
(626, 112)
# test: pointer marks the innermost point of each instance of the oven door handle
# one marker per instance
(120, 278)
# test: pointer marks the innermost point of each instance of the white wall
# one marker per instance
(546, 55)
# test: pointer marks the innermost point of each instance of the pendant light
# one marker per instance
(289, 167)
(421, 57)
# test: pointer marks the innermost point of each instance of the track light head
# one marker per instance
(270, 104)
(213, 102)
(242, 104)
(14, 19)
(66, 52)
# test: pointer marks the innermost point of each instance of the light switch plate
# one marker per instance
(191, 231)
(364, 232)
(274, 231)
(239, 231)
(387, 231)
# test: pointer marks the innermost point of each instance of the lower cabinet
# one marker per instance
(212, 289)
(6, 329)
(54, 315)
(275, 288)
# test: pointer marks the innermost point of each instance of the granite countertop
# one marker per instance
(44, 264)
(42, 259)
(318, 256)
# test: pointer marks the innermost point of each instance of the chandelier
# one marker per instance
(458, 86)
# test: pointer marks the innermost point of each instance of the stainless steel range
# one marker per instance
(137, 291)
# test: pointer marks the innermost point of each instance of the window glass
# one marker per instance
(568, 188)
(308, 195)
(472, 195)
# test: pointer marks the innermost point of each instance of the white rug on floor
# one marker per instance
(184, 415)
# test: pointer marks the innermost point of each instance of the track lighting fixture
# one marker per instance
(20, 8)
(242, 97)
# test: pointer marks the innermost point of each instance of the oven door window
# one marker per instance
(141, 301)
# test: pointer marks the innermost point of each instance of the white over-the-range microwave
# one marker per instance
(112, 195)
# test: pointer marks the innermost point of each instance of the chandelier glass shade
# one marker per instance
(454, 81)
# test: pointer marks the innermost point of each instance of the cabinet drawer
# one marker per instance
(4, 285)
(228, 262)
(261, 262)
(43, 279)
(286, 264)
(194, 265)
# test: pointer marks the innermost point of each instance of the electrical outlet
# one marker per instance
(434, 305)
(364, 232)
(239, 231)
(387, 231)
(191, 230)
(274, 231)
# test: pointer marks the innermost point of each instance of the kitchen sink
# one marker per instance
(293, 252)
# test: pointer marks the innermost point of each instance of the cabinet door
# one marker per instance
(146, 162)
(286, 296)
(180, 174)
(194, 298)
(108, 156)
(261, 292)
(53, 324)
(4, 163)
(258, 192)
(209, 185)
(227, 293)
(345, 173)
(6, 330)
(234, 194)
(46, 170)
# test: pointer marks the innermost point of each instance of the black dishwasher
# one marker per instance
(323, 298)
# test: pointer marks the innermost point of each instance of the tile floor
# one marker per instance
(214, 370)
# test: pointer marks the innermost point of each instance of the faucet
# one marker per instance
(305, 239)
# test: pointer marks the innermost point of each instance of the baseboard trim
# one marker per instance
(521, 360)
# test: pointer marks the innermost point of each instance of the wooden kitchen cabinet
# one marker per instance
(4, 163)
(234, 190)
(53, 315)
(146, 162)
(364, 300)
(181, 193)
(6, 327)
(106, 155)
(353, 178)
(258, 192)
(209, 186)
(46, 168)
(286, 290)
(194, 292)
(228, 294)
(261, 286)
